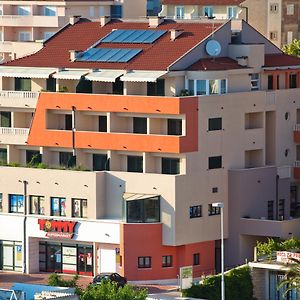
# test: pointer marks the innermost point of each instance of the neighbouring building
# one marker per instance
(117, 137)
(278, 20)
(25, 25)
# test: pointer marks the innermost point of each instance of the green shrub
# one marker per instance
(56, 280)
(107, 290)
(237, 282)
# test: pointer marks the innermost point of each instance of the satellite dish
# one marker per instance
(213, 48)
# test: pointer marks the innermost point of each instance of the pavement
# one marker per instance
(155, 292)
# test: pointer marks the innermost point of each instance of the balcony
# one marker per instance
(10, 47)
(17, 136)
(271, 228)
(18, 99)
(33, 21)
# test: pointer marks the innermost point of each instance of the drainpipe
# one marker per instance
(73, 130)
(25, 183)
(277, 198)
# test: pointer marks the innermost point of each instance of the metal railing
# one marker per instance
(297, 164)
(297, 127)
(14, 131)
(18, 94)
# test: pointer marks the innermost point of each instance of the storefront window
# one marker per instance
(11, 258)
(1, 206)
(79, 208)
(37, 205)
(16, 203)
(58, 206)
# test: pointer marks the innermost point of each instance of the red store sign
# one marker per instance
(57, 229)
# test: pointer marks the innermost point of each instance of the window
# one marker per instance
(135, 164)
(139, 125)
(49, 11)
(48, 34)
(5, 119)
(214, 87)
(22, 84)
(101, 11)
(270, 82)
(214, 124)
(289, 38)
(66, 159)
(102, 121)
(293, 81)
(212, 211)
(33, 157)
(23, 10)
(37, 205)
(214, 190)
(174, 127)
(1, 10)
(231, 12)
(58, 206)
(116, 11)
(156, 88)
(24, 36)
(290, 9)
(91, 11)
(215, 162)
(170, 166)
(3, 156)
(79, 208)
(271, 210)
(1, 204)
(144, 262)
(167, 261)
(143, 211)
(1, 36)
(51, 84)
(118, 87)
(207, 87)
(255, 82)
(201, 87)
(281, 209)
(68, 122)
(273, 35)
(195, 211)
(274, 7)
(16, 203)
(179, 12)
(208, 11)
(100, 162)
(196, 259)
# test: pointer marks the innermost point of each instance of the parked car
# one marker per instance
(114, 277)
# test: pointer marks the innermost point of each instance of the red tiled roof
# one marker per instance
(281, 60)
(82, 35)
(215, 64)
(203, 2)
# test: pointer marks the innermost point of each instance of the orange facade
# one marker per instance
(138, 240)
(41, 136)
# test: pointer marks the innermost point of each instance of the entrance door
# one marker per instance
(85, 260)
(54, 258)
(107, 260)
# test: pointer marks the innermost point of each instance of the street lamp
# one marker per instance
(221, 206)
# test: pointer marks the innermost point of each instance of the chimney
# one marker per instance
(155, 21)
(175, 33)
(73, 54)
(104, 20)
(74, 19)
(242, 61)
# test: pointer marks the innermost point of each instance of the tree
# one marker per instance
(108, 290)
(292, 280)
(293, 48)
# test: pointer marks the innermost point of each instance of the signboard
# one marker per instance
(57, 229)
(285, 257)
(186, 277)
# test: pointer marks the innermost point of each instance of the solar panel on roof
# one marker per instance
(133, 36)
(108, 55)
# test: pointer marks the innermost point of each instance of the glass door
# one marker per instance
(54, 258)
(85, 260)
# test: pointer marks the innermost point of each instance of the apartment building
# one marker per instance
(117, 137)
(278, 20)
(25, 25)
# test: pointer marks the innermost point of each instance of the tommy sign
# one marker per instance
(57, 229)
(285, 257)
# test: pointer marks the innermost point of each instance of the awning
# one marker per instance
(135, 196)
(143, 76)
(70, 74)
(29, 72)
(105, 75)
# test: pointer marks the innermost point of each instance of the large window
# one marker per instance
(58, 206)
(100, 162)
(3, 156)
(174, 127)
(214, 124)
(11, 256)
(293, 81)
(135, 164)
(195, 211)
(170, 165)
(48, 35)
(116, 11)
(37, 205)
(207, 87)
(79, 208)
(24, 36)
(179, 12)
(5, 119)
(212, 210)
(208, 11)
(102, 124)
(255, 82)
(51, 84)
(167, 261)
(139, 125)
(23, 10)
(231, 12)
(144, 262)
(67, 159)
(22, 84)
(156, 88)
(49, 11)
(143, 211)
(33, 157)
(16, 203)
(215, 162)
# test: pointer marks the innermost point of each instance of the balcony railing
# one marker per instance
(297, 164)
(18, 94)
(297, 127)
(34, 21)
(14, 131)
(20, 99)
